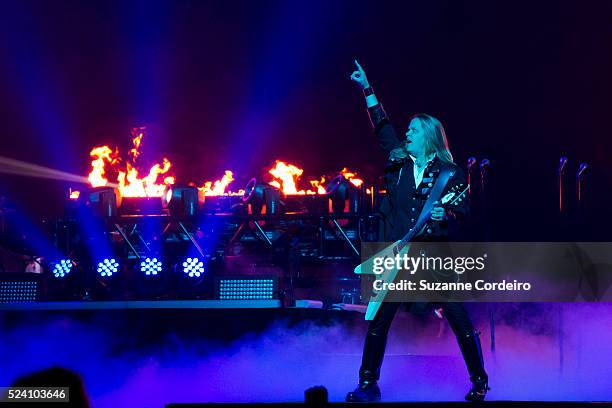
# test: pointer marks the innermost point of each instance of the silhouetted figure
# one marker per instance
(56, 377)
(316, 397)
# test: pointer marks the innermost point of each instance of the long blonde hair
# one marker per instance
(435, 137)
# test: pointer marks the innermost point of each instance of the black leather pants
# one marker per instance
(458, 319)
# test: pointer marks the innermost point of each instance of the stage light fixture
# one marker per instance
(344, 196)
(150, 266)
(263, 288)
(193, 267)
(19, 287)
(258, 195)
(62, 267)
(107, 267)
(181, 200)
(104, 201)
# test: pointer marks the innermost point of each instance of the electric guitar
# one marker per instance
(401, 247)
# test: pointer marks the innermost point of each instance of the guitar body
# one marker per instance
(388, 275)
(400, 248)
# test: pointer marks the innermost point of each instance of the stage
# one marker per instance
(201, 202)
(151, 304)
(492, 404)
(179, 352)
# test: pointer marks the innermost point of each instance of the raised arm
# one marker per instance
(387, 137)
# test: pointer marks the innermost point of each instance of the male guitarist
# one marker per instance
(414, 165)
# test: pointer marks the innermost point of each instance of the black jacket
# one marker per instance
(402, 205)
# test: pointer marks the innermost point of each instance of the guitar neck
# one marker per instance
(413, 231)
(419, 226)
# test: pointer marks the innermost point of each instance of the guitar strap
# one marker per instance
(436, 192)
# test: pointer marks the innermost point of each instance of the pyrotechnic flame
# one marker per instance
(217, 188)
(101, 155)
(135, 151)
(287, 175)
(130, 184)
(318, 184)
(350, 176)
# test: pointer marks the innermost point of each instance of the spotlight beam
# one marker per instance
(21, 168)
(192, 239)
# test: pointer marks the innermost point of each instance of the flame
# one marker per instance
(318, 184)
(287, 175)
(136, 141)
(218, 187)
(107, 163)
(130, 183)
(350, 176)
(102, 155)
(75, 194)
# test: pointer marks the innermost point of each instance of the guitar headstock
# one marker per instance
(456, 195)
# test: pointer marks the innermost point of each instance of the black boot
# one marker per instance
(471, 349)
(479, 389)
(369, 373)
(366, 391)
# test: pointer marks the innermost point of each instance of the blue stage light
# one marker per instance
(62, 267)
(108, 267)
(246, 289)
(150, 266)
(193, 267)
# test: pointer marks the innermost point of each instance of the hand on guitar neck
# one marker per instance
(439, 211)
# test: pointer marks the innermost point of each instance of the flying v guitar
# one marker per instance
(401, 247)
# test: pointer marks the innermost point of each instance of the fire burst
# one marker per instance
(106, 163)
(130, 183)
(218, 187)
(287, 175)
(102, 155)
(350, 176)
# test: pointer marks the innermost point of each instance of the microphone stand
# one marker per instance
(485, 165)
(561, 175)
(580, 205)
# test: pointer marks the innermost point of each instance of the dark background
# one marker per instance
(238, 84)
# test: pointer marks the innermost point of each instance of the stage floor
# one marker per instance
(491, 404)
(149, 354)
(144, 304)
